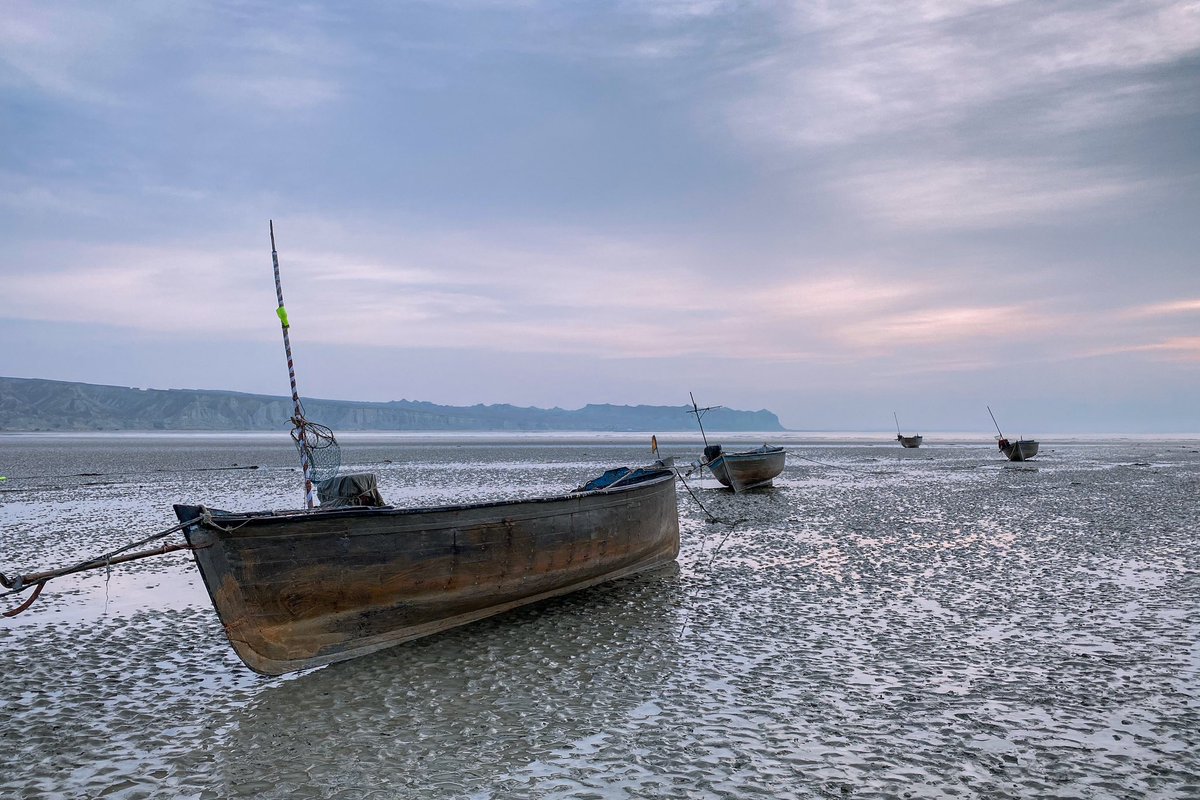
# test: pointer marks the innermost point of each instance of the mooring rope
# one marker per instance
(712, 518)
(848, 469)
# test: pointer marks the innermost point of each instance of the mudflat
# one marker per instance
(881, 623)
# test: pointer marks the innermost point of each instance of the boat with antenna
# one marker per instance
(911, 442)
(1021, 450)
(747, 469)
(349, 575)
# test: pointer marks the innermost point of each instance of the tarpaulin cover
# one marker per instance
(355, 489)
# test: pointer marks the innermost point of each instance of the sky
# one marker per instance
(832, 210)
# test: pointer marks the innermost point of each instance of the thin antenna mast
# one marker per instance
(699, 412)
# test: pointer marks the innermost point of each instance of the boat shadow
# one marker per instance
(466, 709)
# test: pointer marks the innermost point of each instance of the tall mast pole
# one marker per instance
(297, 409)
(997, 424)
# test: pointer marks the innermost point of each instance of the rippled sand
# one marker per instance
(883, 623)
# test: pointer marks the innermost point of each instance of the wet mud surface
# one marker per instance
(882, 623)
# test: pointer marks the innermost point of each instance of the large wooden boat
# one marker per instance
(299, 589)
(1020, 450)
(749, 469)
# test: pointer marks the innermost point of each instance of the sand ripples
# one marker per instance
(876, 626)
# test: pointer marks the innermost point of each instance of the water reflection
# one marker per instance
(465, 710)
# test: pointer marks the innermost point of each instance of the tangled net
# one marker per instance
(318, 448)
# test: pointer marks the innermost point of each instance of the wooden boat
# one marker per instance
(1020, 450)
(298, 589)
(749, 469)
(906, 441)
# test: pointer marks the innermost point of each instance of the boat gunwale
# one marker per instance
(351, 512)
(747, 454)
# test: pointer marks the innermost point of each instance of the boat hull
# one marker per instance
(748, 470)
(1021, 450)
(301, 589)
(910, 441)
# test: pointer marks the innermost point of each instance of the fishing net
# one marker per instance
(318, 446)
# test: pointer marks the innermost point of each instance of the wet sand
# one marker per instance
(883, 623)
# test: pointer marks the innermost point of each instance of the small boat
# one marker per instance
(911, 442)
(749, 469)
(298, 589)
(1021, 450)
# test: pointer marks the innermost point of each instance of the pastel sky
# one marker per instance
(832, 210)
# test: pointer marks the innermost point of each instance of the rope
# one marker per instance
(711, 517)
(712, 559)
(207, 519)
(848, 469)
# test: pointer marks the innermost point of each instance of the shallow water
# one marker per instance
(882, 623)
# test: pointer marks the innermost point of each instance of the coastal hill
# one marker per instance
(32, 404)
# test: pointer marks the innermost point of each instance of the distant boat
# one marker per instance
(1021, 450)
(913, 441)
(748, 469)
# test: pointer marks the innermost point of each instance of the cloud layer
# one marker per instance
(839, 196)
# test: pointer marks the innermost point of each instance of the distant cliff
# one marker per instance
(30, 404)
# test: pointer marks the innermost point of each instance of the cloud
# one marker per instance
(121, 56)
(25, 195)
(1163, 309)
(560, 291)
(948, 325)
(980, 193)
(61, 50)
(879, 68)
(1184, 349)
(148, 288)
(267, 92)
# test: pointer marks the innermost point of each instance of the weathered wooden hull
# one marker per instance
(748, 470)
(301, 589)
(1020, 450)
(910, 441)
